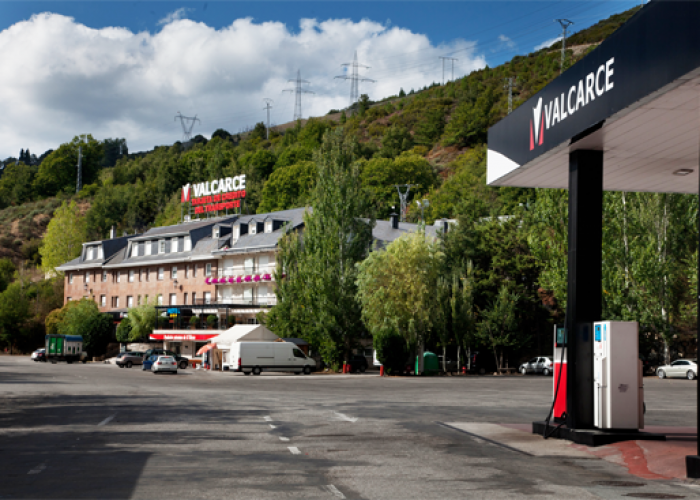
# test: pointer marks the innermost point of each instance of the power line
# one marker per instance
(452, 59)
(268, 107)
(187, 130)
(355, 79)
(565, 23)
(298, 90)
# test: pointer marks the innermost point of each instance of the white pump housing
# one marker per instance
(617, 376)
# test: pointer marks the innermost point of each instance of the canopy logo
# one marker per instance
(595, 84)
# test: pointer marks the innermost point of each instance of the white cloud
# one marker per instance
(176, 15)
(69, 79)
(506, 41)
(547, 43)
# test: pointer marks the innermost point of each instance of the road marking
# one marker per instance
(345, 417)
(294, 450)
(267, 419)
(282, 438)
(335, 491)
(106, 420)
(37, 469)
(273, 426)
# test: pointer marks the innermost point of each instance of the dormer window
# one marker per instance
(89, 254)
(188, 244)
(161, 246)
(236, 231)
(215, 232)
(252, 229)
(100, 254)
(147, 247)
(268, 226)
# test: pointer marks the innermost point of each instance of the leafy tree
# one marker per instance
(86, 320)
(498, 327)
(343, 118)
(142, 319)
(397, 287)
(124, 330)
(221, 133)
(395, 141)
(58, 171)
(470, 121)
(363, 105)
(259, 131)
(114, 149)
(293, 155)
(7, 272)
(16, 184)
(14, 315)
(391, 350)
(261, 163)
(288, 187)
(64, 237)
(402, 93)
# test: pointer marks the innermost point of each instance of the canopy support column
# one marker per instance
(584, 301)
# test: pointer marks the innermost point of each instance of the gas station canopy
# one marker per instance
(635, 97)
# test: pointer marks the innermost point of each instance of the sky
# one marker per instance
(126, 69)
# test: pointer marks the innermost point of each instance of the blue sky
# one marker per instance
(123, 69)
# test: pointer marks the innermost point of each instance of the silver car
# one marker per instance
(539, 364)
(681, 368)
(164, 364)
(129, 359)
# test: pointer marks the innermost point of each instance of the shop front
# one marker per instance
(184, 343)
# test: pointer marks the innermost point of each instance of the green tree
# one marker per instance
(14, 315)
(288, 187)
(64, 237)
(498, 327)
(59, 170)
(402, 93)
(85, 319)
(142, 319)
(124, 330)
(7, 272)
(16, 184)
(395, 141)
(397, 287)
(391, 350)
(113, 150)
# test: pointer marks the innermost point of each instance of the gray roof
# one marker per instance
(264, 241)
(186, 227)
(384, 233)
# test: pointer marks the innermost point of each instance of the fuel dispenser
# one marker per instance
(559, 389)
(618, 398)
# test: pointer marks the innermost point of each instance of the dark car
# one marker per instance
(358, 363)
(482, 363)
(158, 352)
(181, 361)
(39, 355)
(129, 359)
(450, 365)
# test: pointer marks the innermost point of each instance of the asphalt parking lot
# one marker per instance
(97, 431)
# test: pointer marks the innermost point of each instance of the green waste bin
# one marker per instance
(431, 364)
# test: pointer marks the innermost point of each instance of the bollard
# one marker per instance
(464, 370)
(381, 371)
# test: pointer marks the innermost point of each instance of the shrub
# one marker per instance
(391, 351)
(211, 320)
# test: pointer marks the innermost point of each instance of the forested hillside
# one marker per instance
(434, 138)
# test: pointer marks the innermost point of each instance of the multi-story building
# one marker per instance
(203, 275)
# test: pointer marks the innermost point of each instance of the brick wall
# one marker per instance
(144, 282)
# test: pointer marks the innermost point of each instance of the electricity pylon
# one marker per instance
(565, 23)
(355, 79)
(452, 59)
(511, 82)
(403, 197)
(187, 130)
(268, 107)
(298, 90)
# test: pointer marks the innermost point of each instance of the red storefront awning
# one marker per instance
(183, 336)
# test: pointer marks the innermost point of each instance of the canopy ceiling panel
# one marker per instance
(636, 97)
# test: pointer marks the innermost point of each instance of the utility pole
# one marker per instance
(79, 182)
(355, 79)
(268, 107)
(403, 197)
(511, 83)
(187, 130)
(298, 90)
(565, 23)
(452, 59)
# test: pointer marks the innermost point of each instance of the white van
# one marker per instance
(256, 357)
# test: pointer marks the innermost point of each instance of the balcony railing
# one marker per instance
(246, 271)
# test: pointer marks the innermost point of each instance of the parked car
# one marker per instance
(166, 364)
(539, 364)
(129, 359)
(182, 362)
(158, 352)
(681, 368)
(256, 357)
(450, 365)
(358, 363)
(39, 355)
(482, 362)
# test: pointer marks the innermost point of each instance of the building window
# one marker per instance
(173, 299)
(161, 272)
(115, 301)
(215, 232)
(268, 226)
(145, 299)
(184, 301)
(188, 244)
(207, 271)
(119, 276)
(130, 302)
(173, 273)
(160, 300)
(104, 276)
(69, 299)
(140, 275)
(161, 246)
(187, 271)
(131, 275)
(194, 271)
(207, 297)
(148, 274)
(100, 254)
(148, 246)
(89, 253)
(70, 278)
(87, 276)
(103, 300)
(174, 245)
